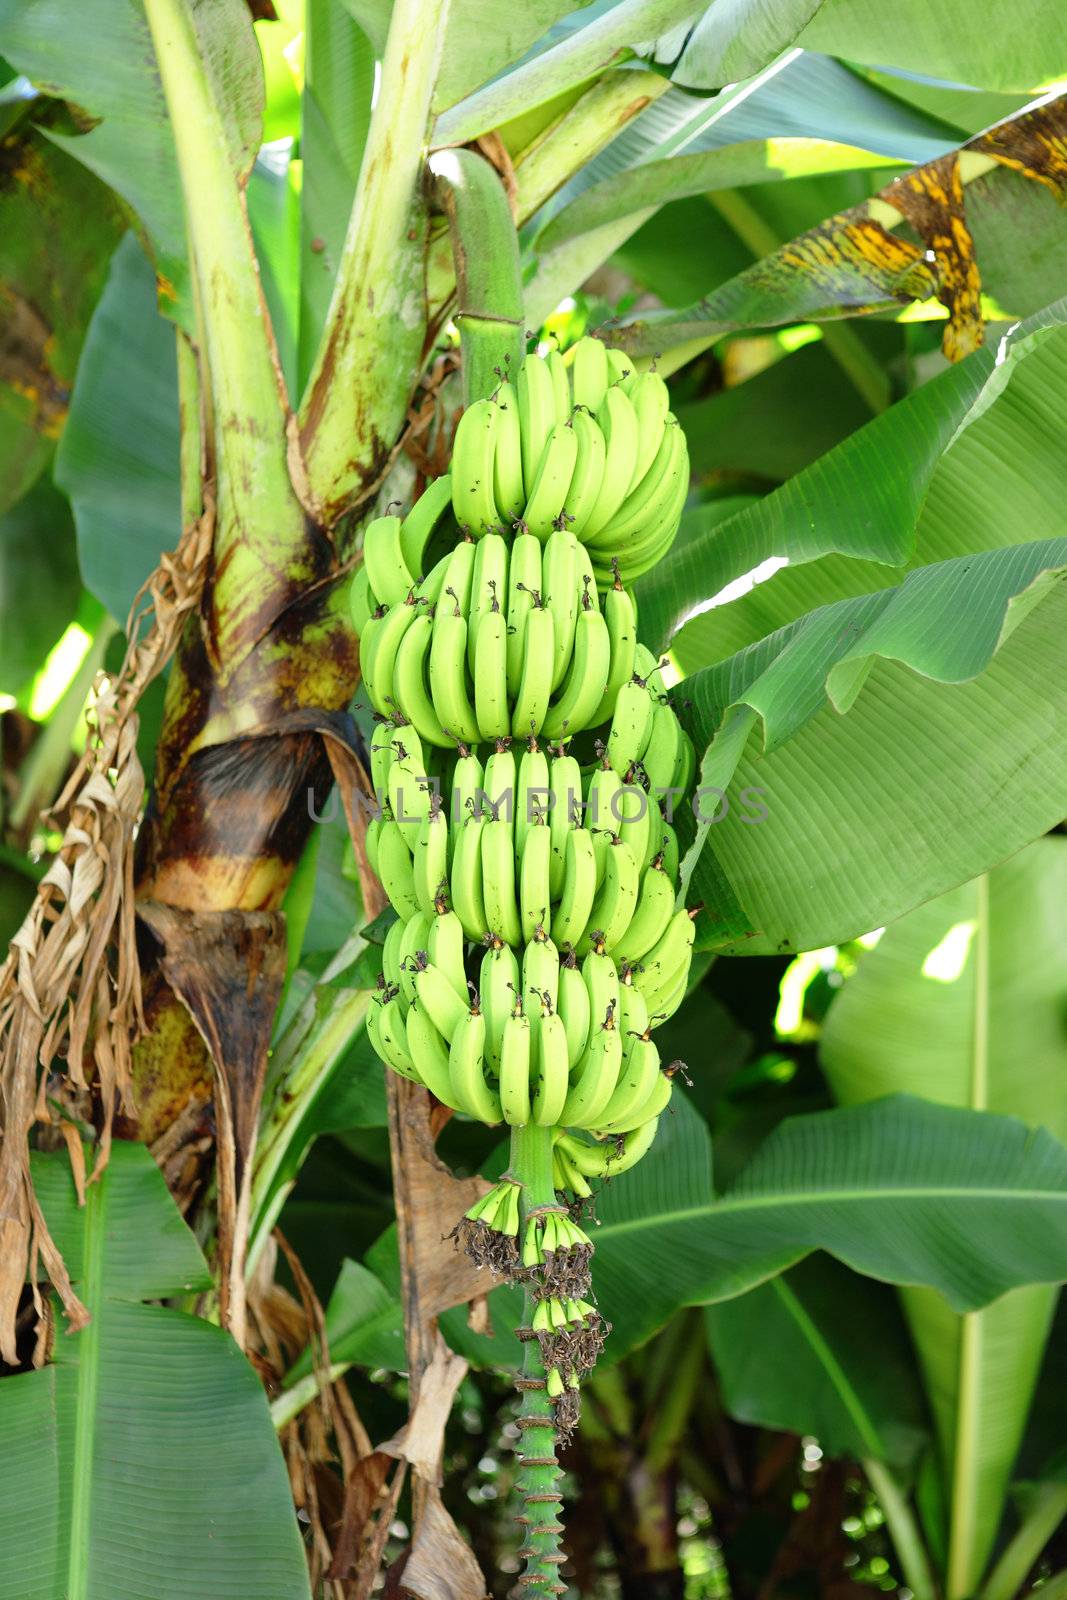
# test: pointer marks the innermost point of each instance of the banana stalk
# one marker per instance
(537, 1480)
(485, 251)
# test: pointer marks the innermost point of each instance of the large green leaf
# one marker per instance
(38, 564)
(874, 731)
(819, 1350)
(141, 1460)
(963, 1001)
(953, 43)
(967, 462)
(57, 230)
(105, 66)
(118, 461)
(335, 116)
(966, 1202)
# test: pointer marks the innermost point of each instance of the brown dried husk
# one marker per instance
(70, 993)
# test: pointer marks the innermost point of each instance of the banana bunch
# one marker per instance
(548, 1039)
(502, 637)
(588, 444)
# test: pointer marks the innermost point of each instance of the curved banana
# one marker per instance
(636, 822)
(621, 368)
(654, 1104)
(473, 453)
(491, 677)
(488, 592)
(658, 974)
(421, 522)
(498, 881)
(391, 953)
(535, 900)
(430, 1054)
(410, 683)
(547, 498)
(651, 402)
(608, 1159)
(524, 582)
(603, 810)
(622, 632)
(444, 945)
(515, 1070)
(594, 1082)
(383, 560)
(436, 996)
(395, 869)
(552, 1068)
(468, 900)
(560, 588)
(415, 935)
(564, 813)
(638, 1079)
(409, 790)
(573, 1007)
(615, 901)
(466, 1070)
(430, 861)
(579, 889)
(654, 909)
(589, 373)
(584, 686)
(361, 601)
(561, 386)
(587, 478)
(531, 794)
(501, 780)
(537, 415)
(531, 701)
(540, 976)
(467, 787)
(508, 491)
(631, 726)
(448, 674)
(498, 993)
(601, 978)
(380, 641)
(388, 1034)
(663, 753)
(618, 424)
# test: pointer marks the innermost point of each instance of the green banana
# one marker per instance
(589, 373)
(395, 869)
(615, 901)
(561, 386)
(579, 889)
(414, 938)
(651, 402)
(584, 686)
(378, 645)
(540, 975)
(448, 674)
(409, 792)
(488, 592)
(498, 881)
(491, 677)
(551, 1071)
(501, 780)
(508, 490)
(531, 701)
(658, 974)
(383, 559)
(498, 991)
(524, 582)
(430, 1054)
(587, 478)
(654, 909)
(573, 1007)
(361, 601)
(436, 996)
(631, 726)
(422, 520)
(466, 1070)
(565, 801)
(537, 415)
(535, 904)
(515, 1070)
(618, 424)
(468, 900)
(410, 683)
(544, 506)
(444, 945)
(593, 1084)
(388, 1035)
(560, 588)
(622, 633)
(531, 794)
(653, 1105)
(391, 953)
(473, 453)
(430, 861)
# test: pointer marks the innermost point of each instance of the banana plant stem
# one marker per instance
(911, 1553)
(538, 1475)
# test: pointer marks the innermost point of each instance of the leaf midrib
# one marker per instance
(839, 1379)
(85, 1406)
(727, 1206)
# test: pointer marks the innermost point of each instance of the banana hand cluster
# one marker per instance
(551, 1041)
(585, 443)
(503, 637)
(396, 554)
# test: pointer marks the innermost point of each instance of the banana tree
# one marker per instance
(332, 313)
